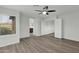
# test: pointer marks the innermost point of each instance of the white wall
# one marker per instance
(71, 26)
(47, 27)
(37, 27)
(12, 38)
(24, 25)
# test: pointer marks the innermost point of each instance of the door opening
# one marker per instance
(58, 28)
(31, 27)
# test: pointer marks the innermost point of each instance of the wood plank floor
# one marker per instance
(43, 44)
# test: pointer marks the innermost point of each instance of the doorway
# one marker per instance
(58, 28)
(52, 27)
(31, 27)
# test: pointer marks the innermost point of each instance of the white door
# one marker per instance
(58, 28)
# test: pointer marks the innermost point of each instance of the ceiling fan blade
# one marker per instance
(47, 13)
(51, 11)
(38, 10)
(46, 7)
(40, 13)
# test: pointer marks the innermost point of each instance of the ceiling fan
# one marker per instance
(45, 11)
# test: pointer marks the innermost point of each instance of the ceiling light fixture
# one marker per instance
(44, 12)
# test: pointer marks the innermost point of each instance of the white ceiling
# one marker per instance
(29, 9)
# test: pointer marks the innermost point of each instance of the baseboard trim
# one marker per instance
(24, 38)
(8, 43)
(58, 38)
(67, 39)
(70, 40)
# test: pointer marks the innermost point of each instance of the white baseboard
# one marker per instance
(2, 44)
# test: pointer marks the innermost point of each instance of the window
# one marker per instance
(7, 25)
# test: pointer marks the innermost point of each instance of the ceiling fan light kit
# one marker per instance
(44, 12)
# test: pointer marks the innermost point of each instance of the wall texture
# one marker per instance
(71, 26)
(24, 25)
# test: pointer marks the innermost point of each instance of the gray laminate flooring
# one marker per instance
(42, 44)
